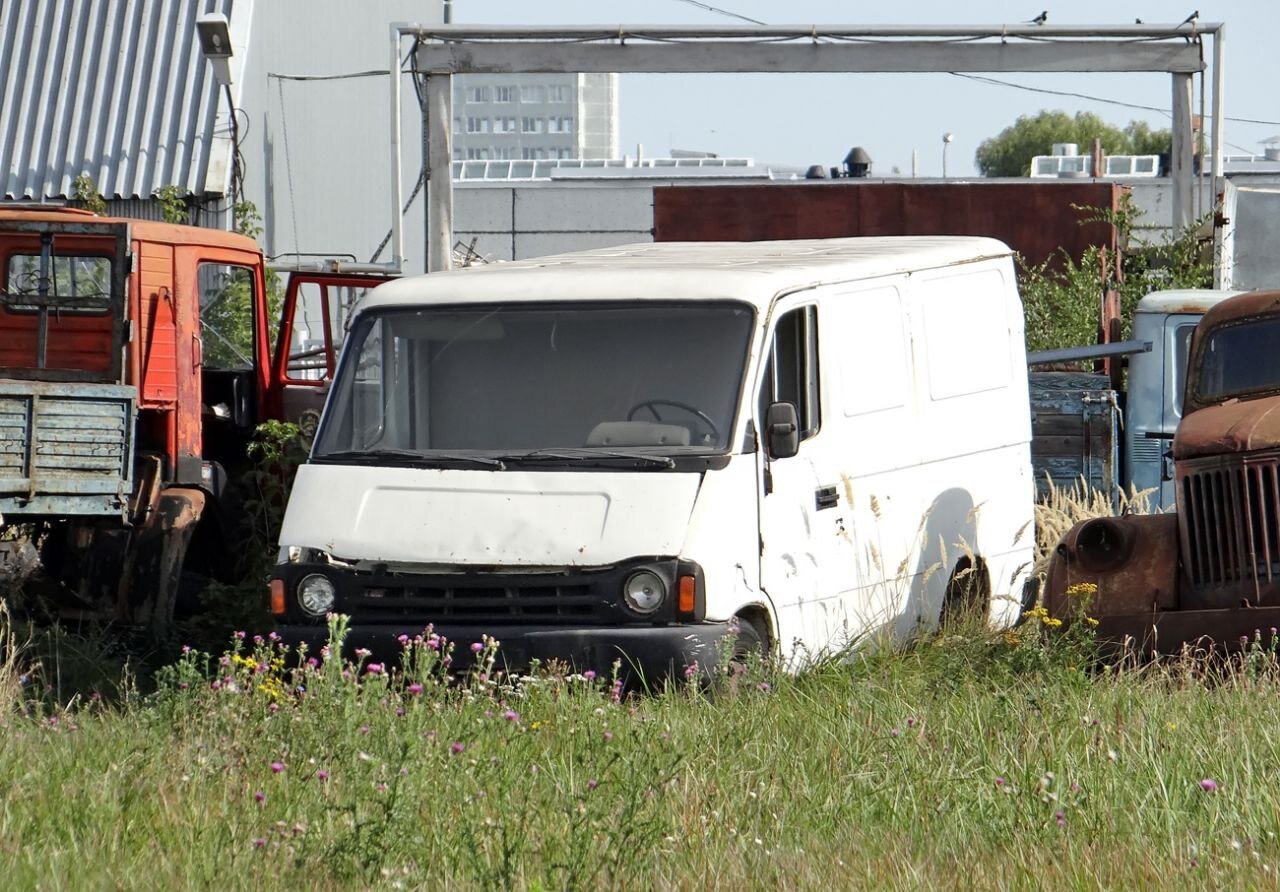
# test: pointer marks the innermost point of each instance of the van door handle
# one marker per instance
(826, 497)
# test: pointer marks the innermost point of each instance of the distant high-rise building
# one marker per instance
(500, 117)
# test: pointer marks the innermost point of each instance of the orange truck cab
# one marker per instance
(136, 359)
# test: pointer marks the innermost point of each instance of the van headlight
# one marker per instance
(644, 591)
(316, 594)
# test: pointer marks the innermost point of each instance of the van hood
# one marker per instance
(1231, 427)
(452, 517)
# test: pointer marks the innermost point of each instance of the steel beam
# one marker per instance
(502, 57)
(439, 118)
(1181, 156)
(444, 50)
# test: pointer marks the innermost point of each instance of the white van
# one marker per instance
(615, 453)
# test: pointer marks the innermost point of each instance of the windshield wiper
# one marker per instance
(588, 453)
(410, 457)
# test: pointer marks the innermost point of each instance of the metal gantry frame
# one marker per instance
(441, 51)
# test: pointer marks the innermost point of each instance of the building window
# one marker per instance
(532, 125)
(504, 94)
(477, 125)
(560, 93)
(530, 154)
(478, 154)
(504, 125)
(533, 93)
(559, 125)
(565, 153)
(477, 94)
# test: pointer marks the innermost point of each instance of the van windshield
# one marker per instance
(1240, 359)
(545, 382)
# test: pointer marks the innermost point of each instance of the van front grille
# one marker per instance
(512, 603)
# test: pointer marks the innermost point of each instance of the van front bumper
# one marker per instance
(646, 653)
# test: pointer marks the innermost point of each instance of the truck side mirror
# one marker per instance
(782, 430)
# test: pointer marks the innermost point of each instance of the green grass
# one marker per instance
(986, 761)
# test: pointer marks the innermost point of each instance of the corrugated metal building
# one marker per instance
(119, 90)
(115, 91)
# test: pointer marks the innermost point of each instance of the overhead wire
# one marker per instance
(724, 12)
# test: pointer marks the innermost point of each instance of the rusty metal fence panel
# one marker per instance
(1035, 219)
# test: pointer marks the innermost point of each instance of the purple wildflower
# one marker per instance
(277, 767)
(1209, 785)
(476, 647)
(1060, 817)
(511, 715)
(259, 796)
(589, 675)
(322, 775)
(592, 784)
(259, 843)
(415, 689)
(373, 669)
(457, 748)
(999, 781)
(608, 736)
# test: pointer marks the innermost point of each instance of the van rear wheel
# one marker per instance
(968, 595)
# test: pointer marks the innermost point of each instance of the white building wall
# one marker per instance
(317, 152)
(513, 222)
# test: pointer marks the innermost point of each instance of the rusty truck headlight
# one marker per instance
(316, 593)
(1103, 544)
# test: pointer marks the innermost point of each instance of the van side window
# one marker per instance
(791, 374)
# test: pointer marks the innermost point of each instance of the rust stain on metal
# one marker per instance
(1231, 427)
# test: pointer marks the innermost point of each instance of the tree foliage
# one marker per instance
(1009, 154)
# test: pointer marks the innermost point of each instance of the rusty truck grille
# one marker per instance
(530, 604)
(1231, 523)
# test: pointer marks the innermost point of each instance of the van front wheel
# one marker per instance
(748, 645)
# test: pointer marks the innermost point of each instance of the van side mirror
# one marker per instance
(782, 430)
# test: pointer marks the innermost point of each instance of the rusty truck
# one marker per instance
(1210, 571)
(136, 359)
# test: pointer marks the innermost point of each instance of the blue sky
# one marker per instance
(805, 119)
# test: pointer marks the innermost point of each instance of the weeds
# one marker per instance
(886, 768)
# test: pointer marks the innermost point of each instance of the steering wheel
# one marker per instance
(652, 404)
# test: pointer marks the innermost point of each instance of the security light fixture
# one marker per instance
(215, 43)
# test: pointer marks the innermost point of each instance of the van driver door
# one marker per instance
(799, 507)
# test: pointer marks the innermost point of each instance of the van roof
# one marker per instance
(1183, 300)
(751, 271)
